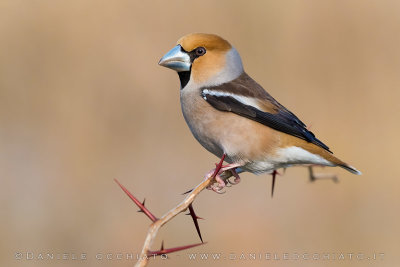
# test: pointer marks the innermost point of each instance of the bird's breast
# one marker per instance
(225, 132)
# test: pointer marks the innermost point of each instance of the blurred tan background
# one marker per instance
(83, 101)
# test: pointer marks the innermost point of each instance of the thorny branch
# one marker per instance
(146, 253)
(210, 178)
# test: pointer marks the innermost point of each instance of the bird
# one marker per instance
(235, 118)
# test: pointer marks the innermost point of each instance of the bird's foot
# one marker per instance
(236, 180)
(320, 176)
(221, 179)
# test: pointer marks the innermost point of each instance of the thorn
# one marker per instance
(144, 200)
(195, 218)
(137, 202)
(312, 177)
(274, 173)
(187, 192)
(171, 250)
(162, 245)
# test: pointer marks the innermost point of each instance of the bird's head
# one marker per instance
(203, 59)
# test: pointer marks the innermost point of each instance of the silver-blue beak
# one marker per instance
(176, 59)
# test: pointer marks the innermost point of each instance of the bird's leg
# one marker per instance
(214, 174)
(319, 176)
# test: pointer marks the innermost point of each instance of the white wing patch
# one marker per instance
(250, 101)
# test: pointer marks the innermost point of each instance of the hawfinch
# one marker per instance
(231, 115)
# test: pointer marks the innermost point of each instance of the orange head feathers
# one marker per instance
(209, 58)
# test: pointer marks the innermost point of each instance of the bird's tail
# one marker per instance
(350, 169)
(337, 162)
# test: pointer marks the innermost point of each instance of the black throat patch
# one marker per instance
(184, 77)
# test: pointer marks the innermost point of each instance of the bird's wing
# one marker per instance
(245, 97)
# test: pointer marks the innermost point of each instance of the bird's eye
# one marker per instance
(200, 51)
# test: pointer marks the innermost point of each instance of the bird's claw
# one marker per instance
(219, 180)
(237, 177)
(221, 183)
(230, 183)
(218, 185)
(216, 189)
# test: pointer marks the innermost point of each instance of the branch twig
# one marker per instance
(138, 203)
(146, 253)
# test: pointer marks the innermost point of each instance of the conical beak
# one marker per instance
(176, 59)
